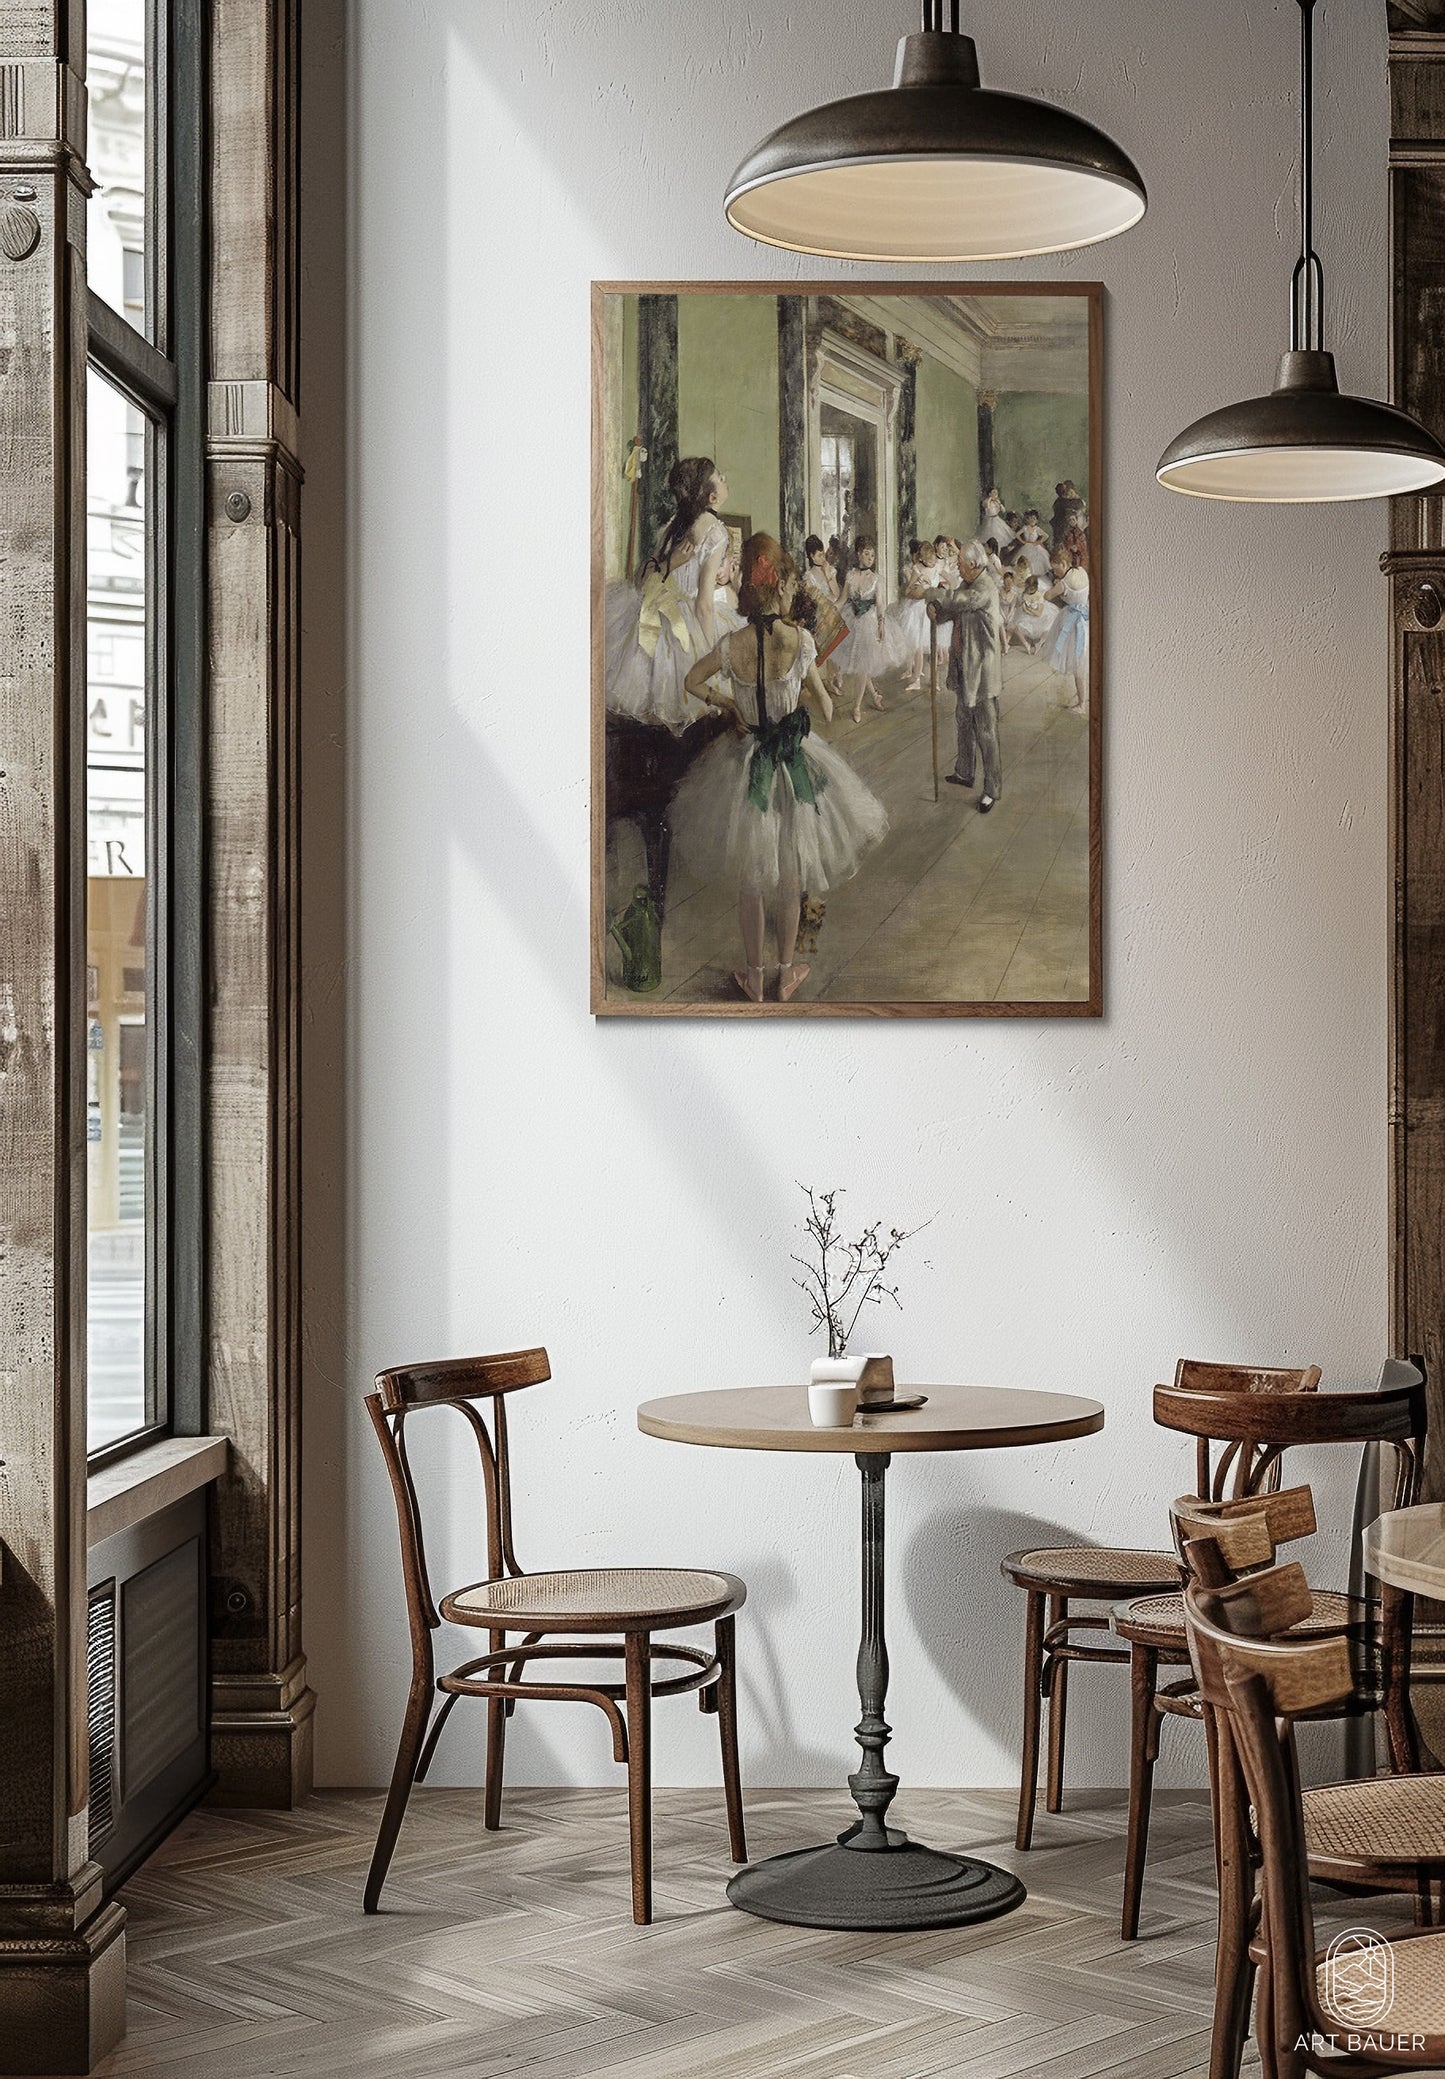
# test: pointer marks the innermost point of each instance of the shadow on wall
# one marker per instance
(960, 1604)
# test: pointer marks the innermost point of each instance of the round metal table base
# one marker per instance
(885, 1891)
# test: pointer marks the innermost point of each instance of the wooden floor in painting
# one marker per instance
(953, 907)
(515, 1952)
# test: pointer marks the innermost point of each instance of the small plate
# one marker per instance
(900, 1405)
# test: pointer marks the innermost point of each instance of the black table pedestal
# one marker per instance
(873, 1876)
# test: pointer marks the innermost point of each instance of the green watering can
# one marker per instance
(638, 932)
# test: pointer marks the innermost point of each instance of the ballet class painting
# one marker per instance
(846, 580)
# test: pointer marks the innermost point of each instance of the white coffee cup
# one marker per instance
(835, 1371)
(833, 1407)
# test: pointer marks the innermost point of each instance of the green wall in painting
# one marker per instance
(947, 445)
(1039, 438)
(727, 396)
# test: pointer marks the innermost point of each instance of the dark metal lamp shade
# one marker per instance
(1305, 443)
(935, 168)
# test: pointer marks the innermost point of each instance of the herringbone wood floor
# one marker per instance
(515, 1952)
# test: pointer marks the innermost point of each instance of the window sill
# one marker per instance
(122, 1495)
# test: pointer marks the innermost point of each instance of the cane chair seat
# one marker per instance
(1091, 1570)
(1416, 2004)
(1362, 1830)
(1158, 1620)
(597, 1599)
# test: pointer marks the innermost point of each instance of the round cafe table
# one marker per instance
(873, 1876)
(1405, 1548)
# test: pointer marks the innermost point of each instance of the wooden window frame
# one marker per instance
(162, 374)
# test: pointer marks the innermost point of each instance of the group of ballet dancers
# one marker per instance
(1030, 568)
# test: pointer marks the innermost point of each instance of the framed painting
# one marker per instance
(846, 660)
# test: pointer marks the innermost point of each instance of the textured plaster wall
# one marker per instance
(1202, 1170)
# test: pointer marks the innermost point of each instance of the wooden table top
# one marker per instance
(1406, 1549)
(954, 1418)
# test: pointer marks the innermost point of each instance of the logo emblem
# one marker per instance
(1358, 1980)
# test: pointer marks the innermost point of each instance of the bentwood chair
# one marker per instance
(1321, 2014)
(1056, 1577)
(589, 1615)
(1251, 1425)
(1374, 1833)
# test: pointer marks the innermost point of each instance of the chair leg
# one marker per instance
(727, 1720)
(428, 1752)
(496, 1750)
(1058, 1706)
(1396, 1624)
(1143, 1746)
(1275, 2060)
(639, 1772)
(1033, 1705)
(496, 1743)
(1233, 1971)
(413, 1732)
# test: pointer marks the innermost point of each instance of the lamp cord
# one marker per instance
(933, 17)
(1307, 283)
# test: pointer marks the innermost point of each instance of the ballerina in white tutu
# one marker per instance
(871, 646)
(992, 520)
(1008, 606)
(1033, 545)
(768, 805)
(819, 581)
(1035, 616)
(909, 614)
(1069, 655)
(655, 630)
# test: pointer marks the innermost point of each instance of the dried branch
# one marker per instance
(829, 1283)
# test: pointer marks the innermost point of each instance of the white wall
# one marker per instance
(1201, 1171)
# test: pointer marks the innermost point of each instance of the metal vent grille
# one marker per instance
(100, 1710)
(161, 1679)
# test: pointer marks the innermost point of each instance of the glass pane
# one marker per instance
(118, 961)
(115, 70)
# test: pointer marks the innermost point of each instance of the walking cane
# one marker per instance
(933, 695)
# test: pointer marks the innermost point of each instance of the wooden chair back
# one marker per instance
(1254, 1416)
(457, 1383)
(1219, 1541)
(1261, 1682)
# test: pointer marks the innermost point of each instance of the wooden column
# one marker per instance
(62, 1952)
(1415, 564)
(261, 1723)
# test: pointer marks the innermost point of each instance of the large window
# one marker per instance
(143, 604)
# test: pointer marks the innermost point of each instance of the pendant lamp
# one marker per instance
(937, 167)
(1306, 442)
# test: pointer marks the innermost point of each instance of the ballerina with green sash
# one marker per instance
(769, 805)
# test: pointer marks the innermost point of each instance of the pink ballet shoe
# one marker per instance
(791, 979)
(752, 989)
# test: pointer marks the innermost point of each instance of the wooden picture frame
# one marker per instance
(679, 368)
